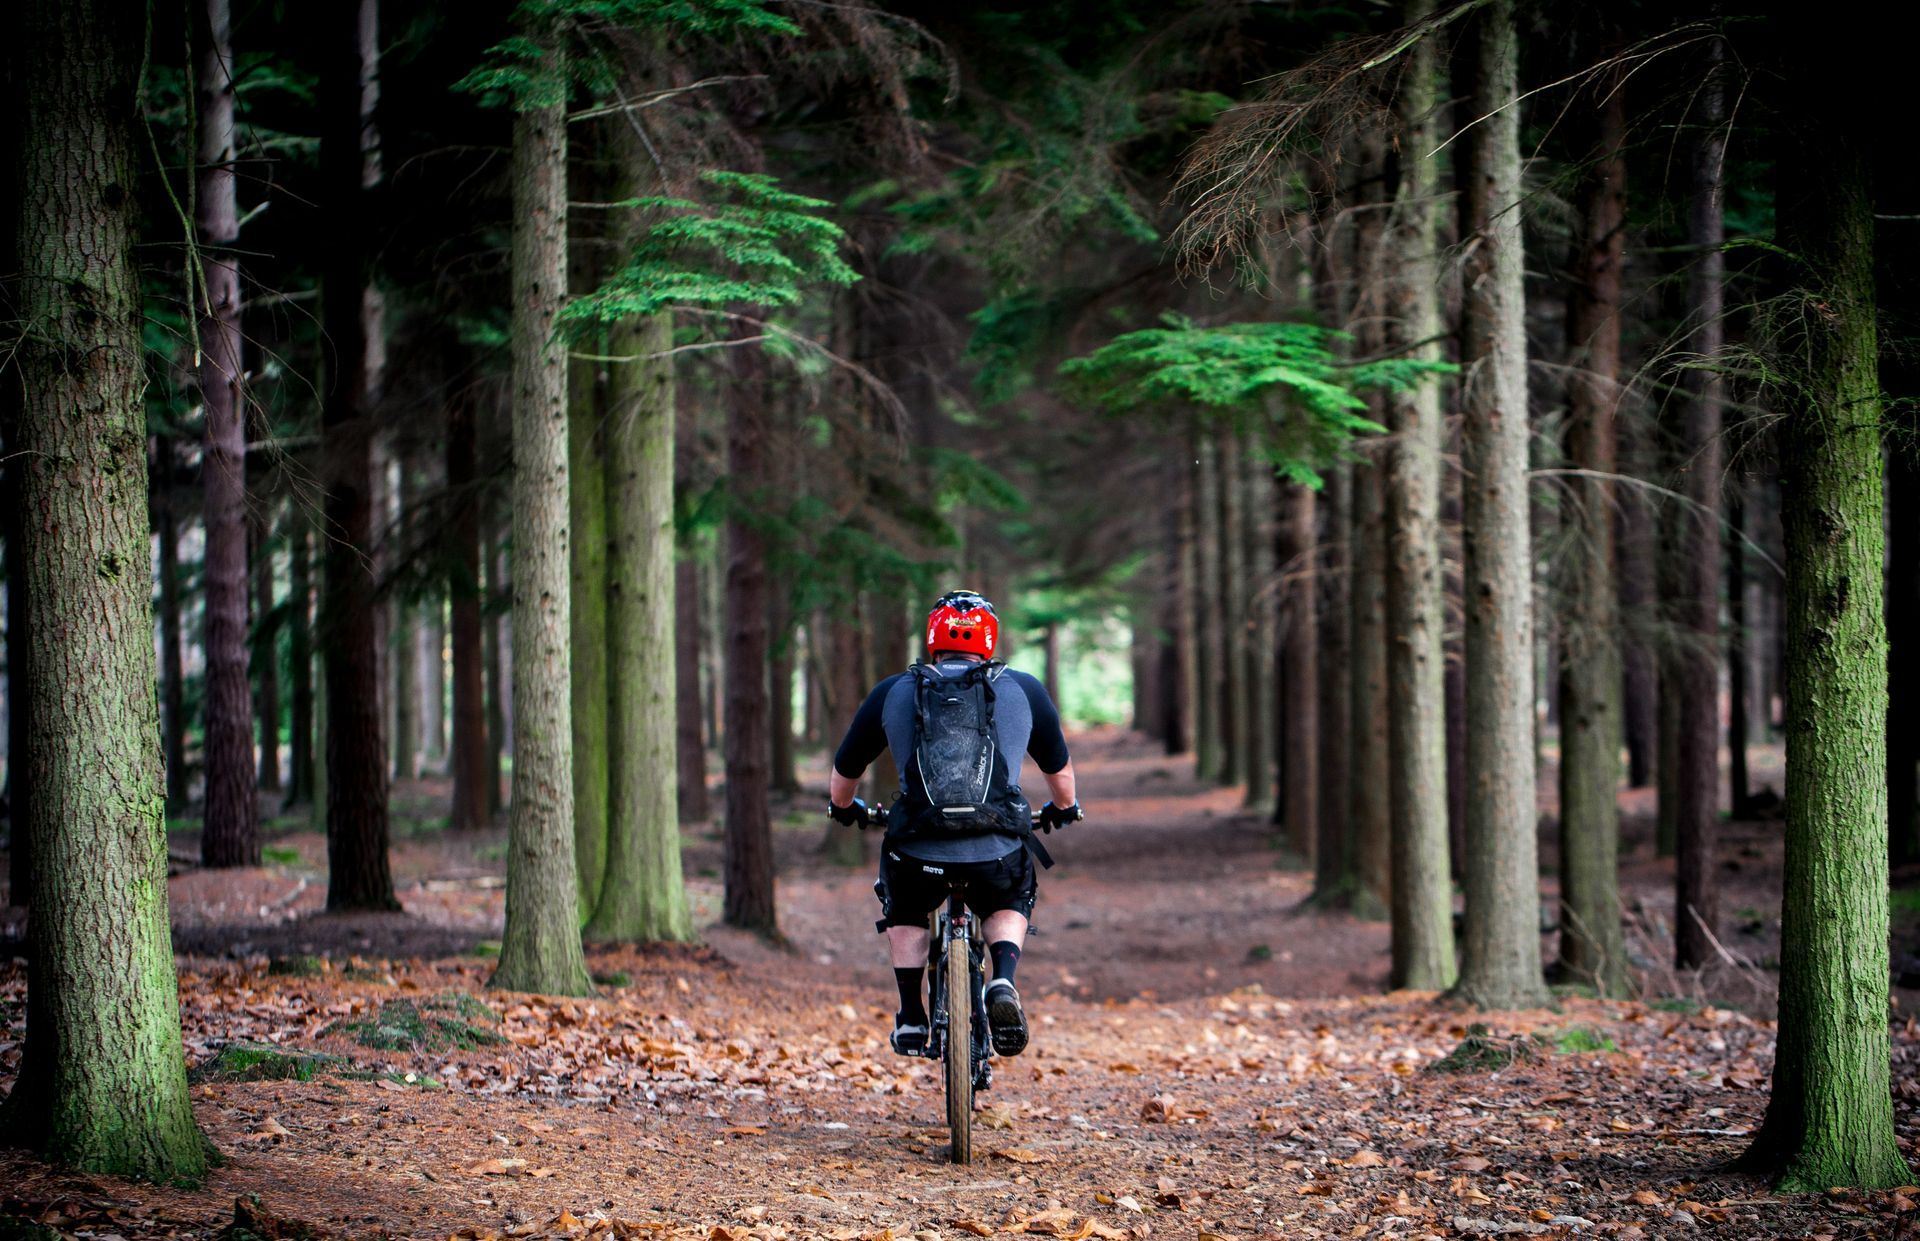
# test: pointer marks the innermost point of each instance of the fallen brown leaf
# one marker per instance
(974, 1226)
(1016, 1155)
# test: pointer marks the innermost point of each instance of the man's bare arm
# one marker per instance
(839, 788)
(1060, 785)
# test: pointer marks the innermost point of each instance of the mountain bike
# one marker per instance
(957, 1010)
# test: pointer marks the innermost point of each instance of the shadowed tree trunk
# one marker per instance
(644, 897)
(784, 778)
(358, 875)
(1422, 888)
(1696, 662)
(299, 661)
(498, 592)
(1333, 854)
(103, 1083)
(1640, 679)
(173, 675)
(1257, 663)
(1739, 790)
(403, 623)
(1829, 1121)
(540, 948)
(1201, 516)
(748, 901)
(588, 471)
(1171, 610)
(1592, 947)
(1500, 961)
(691, 746)
(19, 634)
(845, 684)
(469, 766)
(1230, 603)
(231, 832)
(266, 649)
(1296, 722)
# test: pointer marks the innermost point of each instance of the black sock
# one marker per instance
(913, 1010)
(1006, 958)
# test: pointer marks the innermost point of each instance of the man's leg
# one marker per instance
(1006, 934)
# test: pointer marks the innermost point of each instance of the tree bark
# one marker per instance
(1334, 858)
(1592, 945)
(644, 897)
(173, 674)
(540, 949)
(359, 876)
(1230, 601)
(499, 588)
(1640, 678)
(266, 648)
(1829, 1121)
(784, 778)
(748, 901)
(1296, 722)
(589, 472)
(1696, 661)
(1500, 965)
(691, 745)
(1206, 613)
(845, 845)
(465, 588)
(300, 662)
(230, 834)
(1739, 790)
(1422, 888)
(1368, 799)
(1173, 630)
(19, 636)
(103, 1083)
(1257, 663)
(404, 628)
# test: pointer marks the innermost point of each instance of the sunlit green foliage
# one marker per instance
(755, 244)
(1279, 380)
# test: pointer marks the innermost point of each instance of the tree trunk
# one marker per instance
(645, 896)
(749, 840)
(785, 778)
(173, 675)
(1230, 602)
(691, 744)
(540, 948)
(1696, 777)
(1334, 856)
(499, 588)
(589, 471)
(103, 1083)
(1739, 790)
(230, 834)
(1830, 1119)
(1422, 888)
(1172, 612)
(1640, 679)
(1368, 797)
(845, 845)
(1903, 650)
(266, 649)
(403, 645)
(469, 766)
(1592, 946)
(1500, 965)
(1257, 665)
(299, 661)
(1296, 722)
(432, 685)
(19, 637)
(1203, 504)
(359, 876)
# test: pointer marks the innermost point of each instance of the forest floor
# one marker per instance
(1208, 1061)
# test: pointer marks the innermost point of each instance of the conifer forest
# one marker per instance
(1442, 477)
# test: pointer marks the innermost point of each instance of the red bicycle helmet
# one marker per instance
(962, 621)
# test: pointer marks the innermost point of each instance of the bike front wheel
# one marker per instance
(959, 1051)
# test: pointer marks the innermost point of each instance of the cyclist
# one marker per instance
(985, 848)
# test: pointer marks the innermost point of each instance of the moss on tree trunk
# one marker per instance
(103, 1085)
(1830, 1118)
(644, 897)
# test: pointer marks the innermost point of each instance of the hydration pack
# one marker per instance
(956, 781)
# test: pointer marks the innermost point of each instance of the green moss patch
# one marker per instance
(1483, 1051)
(297, 967)
(254, 1062)
(1575, 1040)
(451, 1019)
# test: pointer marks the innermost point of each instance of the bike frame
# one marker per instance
(953, 928)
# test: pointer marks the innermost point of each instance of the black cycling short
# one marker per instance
(910, 890)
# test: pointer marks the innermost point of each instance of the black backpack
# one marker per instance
(956, 780)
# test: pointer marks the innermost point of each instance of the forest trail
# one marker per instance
(1179, 1082)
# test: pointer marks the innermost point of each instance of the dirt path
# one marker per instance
(1206, 1063)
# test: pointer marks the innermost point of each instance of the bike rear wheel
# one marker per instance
(959, 1052)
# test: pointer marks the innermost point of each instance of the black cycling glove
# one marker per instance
(852, 814)
(1052, 816)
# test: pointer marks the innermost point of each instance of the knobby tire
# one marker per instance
(959, 1057)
